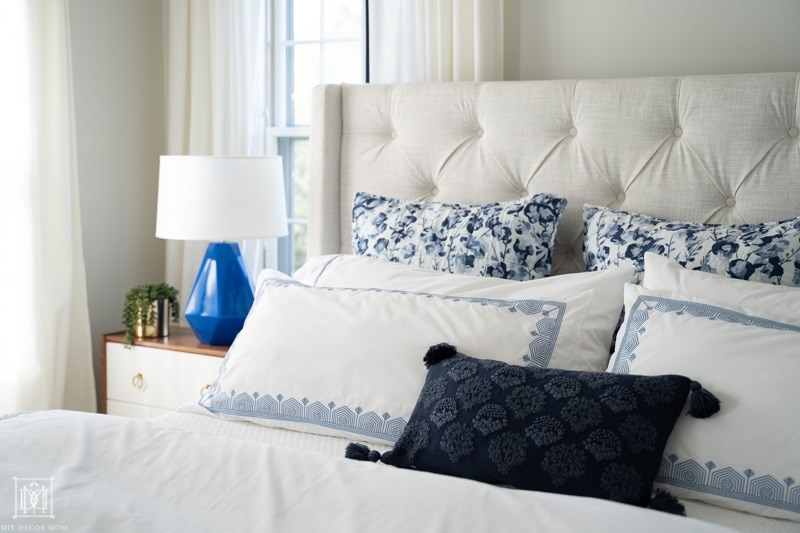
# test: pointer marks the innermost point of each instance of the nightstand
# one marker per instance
(156, 375)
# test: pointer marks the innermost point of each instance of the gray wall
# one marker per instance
(119, 96)
(119, 107)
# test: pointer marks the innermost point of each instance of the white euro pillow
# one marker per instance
(348, 361)
(769, 301)
(740, 340)
(594, 324)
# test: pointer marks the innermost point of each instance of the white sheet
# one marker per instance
(194, 417)
(119, 474)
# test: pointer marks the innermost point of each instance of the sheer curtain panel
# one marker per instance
(216, 103)
(45, 342)
(435, 40)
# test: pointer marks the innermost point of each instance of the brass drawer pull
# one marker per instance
(138, 381)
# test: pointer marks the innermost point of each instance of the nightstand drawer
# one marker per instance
(134, 410)
(157, 378)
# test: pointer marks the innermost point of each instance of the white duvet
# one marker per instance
(105, 473)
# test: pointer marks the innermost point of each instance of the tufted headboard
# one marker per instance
(721, 149)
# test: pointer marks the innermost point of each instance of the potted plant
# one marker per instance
(145, 313)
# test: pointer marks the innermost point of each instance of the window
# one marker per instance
(315, 41)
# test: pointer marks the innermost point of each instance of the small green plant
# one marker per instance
(137, 307)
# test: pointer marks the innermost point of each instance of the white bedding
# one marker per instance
(119, 474)
(196, 418)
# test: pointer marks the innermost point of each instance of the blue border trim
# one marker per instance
(540, 350)
(726, 482)
(543, 337)
(9, 416)
(367, 423)
(641, 310)
(745, 486)
(323, 268)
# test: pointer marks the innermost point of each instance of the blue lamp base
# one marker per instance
(221, 296)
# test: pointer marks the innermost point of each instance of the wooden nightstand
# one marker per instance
(154, 376)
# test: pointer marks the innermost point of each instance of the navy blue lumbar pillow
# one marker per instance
(582, 433)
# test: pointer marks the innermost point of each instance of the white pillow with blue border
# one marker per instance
(347, 362)
(745, 457)
(597, 323)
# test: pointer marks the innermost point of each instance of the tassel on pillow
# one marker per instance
(702, 403)
(360, 452)
(438, 352)
(667, 503)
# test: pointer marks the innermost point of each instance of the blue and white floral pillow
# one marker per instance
(767, 252)
(512, 240)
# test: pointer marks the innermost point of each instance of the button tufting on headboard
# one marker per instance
(624, 152)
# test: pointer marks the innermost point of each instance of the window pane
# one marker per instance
(343, 19)
(300, 245)
(293, 248)
(300, 177)
(324, 44)
(342, 62)
(306, 75)
(305, 20)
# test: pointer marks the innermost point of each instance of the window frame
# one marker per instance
(280, 130)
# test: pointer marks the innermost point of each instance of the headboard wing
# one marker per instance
(721, 149)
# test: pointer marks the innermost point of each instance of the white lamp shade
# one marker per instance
(217, 199)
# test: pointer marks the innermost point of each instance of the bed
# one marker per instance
(553, 305)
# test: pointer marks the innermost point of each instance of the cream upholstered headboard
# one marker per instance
(720, 149)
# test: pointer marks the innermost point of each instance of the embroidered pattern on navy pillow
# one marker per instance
(582, 433)
(512, 240)
(768, 252)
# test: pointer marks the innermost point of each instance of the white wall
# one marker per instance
(119, 106)
(615, 38)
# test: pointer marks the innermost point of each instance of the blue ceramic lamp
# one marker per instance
(220, 200)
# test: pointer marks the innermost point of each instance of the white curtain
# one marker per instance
(216, 103)
(45, 341)
(435, 40)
